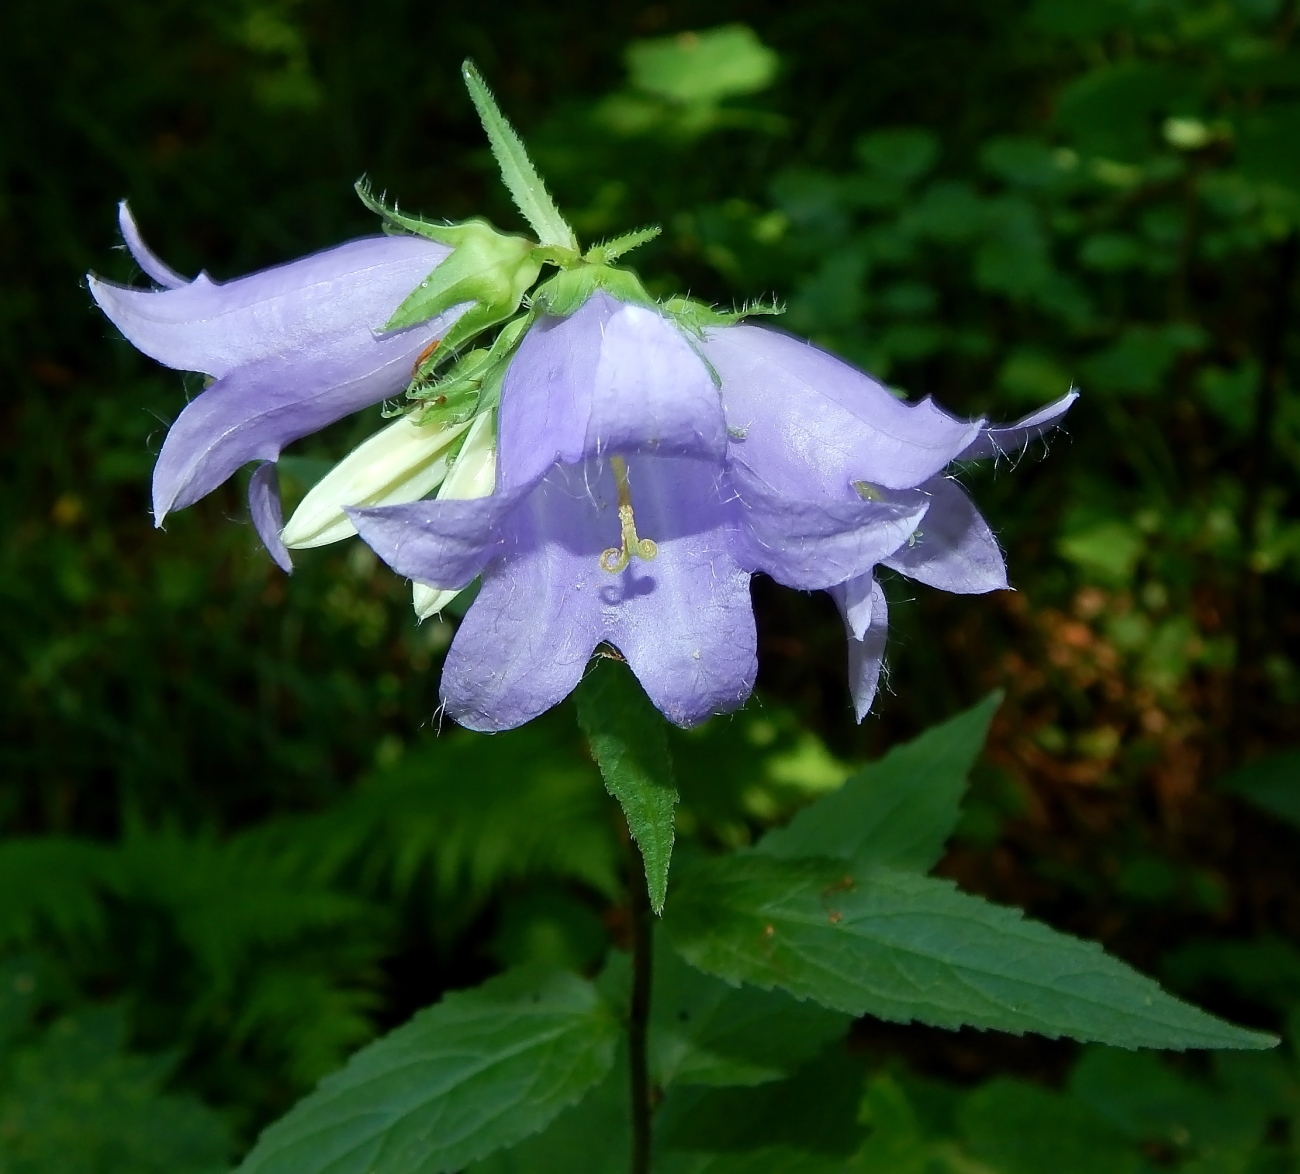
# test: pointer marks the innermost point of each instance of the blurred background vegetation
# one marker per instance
(236, 846)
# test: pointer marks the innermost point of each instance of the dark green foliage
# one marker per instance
(224, 821)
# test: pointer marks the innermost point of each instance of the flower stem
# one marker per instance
(639, 1010)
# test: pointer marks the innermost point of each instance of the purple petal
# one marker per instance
(682, 619)
(867, 650)
(1009, 439)
(685, 621)
(153, 265)
(264, 509)
(253, 412)
(442, 543)
(810, 425)
(610, 378)
(816, 544)
(524, 643)
(954, 550)
(854, 598)
(347, 292)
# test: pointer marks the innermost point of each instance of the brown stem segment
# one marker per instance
(639, 1011)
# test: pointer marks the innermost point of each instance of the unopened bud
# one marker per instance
(473, 475)
(403, 462)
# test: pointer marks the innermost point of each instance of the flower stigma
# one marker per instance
(616, 558)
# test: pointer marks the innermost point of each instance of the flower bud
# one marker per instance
(473, 475)
(401, 463)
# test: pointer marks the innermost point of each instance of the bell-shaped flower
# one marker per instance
(289, 350)
(806, 425)
(615, 519)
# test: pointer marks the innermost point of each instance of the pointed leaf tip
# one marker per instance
(517, 171)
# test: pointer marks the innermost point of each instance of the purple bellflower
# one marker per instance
(611, 469)
(808, 426)
(635, 498)
(289, 350)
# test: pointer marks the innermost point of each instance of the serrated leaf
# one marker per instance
(905, 947)
(626, 735)
(706, 1031)
(815, 1109)
(517, 170)
(477, 1072)
(593, 1137)
(896, 812)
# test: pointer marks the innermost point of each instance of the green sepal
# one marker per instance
(569, 289)
(696, 317)
(486, 267)
(611, 250)
(517, 170)
(473, 384)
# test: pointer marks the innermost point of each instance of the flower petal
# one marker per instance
(441, 543)
(954, 550)
(473, 475)
(854, 598)
(810, 425)
(1009, 439)
(347, 292)
(609, 378)
(866, 649)
(145, 257)
(816, 544)
(526, 639)
(264, 509)
(253, 412)
(685, 620)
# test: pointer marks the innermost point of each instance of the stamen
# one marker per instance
(616, 558)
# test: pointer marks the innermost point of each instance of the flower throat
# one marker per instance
(616, 558)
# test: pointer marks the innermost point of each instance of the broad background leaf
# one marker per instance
(903, 947)
(898, 811)
(477, 1072)
(626, 735)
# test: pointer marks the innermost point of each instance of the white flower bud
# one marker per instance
(403, 462)
(474, 474)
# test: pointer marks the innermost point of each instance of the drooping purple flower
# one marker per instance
(289, 349)
(612, 436)
(808, 425)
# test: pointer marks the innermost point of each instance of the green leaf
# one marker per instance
(815, 1109)
(904, 947)
(1272, 783)
(626, 735)
(593, 1137)
(705, 1031)
(479, 1071)
(517, 170)
(77, 1102)
(898, 811)
(704, 67)
(1020, 1128)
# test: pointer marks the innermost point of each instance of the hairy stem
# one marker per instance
(639, 1012)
